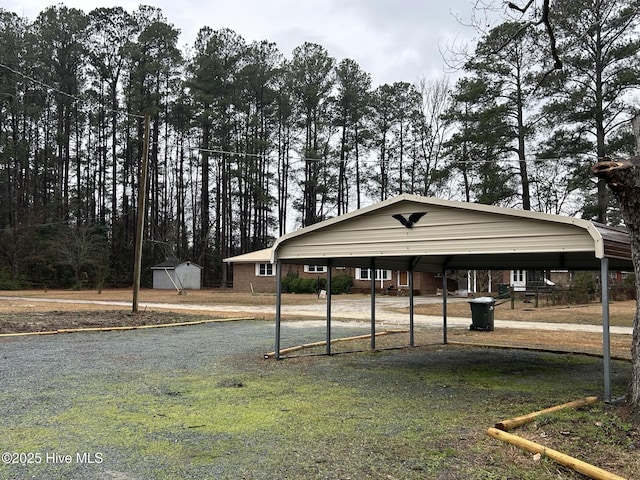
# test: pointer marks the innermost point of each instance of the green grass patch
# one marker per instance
(408, 414)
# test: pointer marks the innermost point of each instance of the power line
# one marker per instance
(589, 158)
(66, 94)
(268, 156)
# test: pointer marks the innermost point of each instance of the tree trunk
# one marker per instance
(623, 178)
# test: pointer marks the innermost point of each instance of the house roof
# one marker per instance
(259, 256)
(454, 235)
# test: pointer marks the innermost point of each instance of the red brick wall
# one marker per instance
(244, 275)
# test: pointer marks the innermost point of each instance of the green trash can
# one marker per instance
(482, 309)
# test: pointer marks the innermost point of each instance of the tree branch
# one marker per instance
(557, 62)
(520, 9)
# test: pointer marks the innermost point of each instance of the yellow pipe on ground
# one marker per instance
(566, 460)
(518, 421)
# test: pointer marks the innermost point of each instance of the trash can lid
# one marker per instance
(483, 300)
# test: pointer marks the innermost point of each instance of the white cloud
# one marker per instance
(394, 40)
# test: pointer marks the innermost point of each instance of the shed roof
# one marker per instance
(454, 235)
(173, 264)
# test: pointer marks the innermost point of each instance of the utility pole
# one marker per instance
(142, 197)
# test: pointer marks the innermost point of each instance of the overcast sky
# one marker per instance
(393, 40)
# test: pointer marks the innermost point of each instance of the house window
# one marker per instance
(315, 269)
(365, 274)
(265, 270)
(518, 276)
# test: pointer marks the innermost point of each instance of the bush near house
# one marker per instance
(292, 283)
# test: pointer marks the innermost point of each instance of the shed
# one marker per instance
(429, 234)
(170, 275)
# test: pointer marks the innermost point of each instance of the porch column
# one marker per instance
(606, 341)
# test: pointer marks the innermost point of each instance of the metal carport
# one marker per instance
(447, 235)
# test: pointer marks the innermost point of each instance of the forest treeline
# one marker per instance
(248, 142)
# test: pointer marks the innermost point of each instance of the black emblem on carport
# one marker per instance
(413, 218)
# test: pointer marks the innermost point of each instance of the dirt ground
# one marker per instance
(23, 316)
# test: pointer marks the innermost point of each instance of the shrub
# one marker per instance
(341, 283)
(583, 287)
(625, 290)
(292, 283)
(287, 280)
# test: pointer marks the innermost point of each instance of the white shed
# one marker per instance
(172, 275)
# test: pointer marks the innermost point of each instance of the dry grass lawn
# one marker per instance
(620, 313)
(34, 315)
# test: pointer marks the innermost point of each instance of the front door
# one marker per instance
(519, 280)
(403, 279)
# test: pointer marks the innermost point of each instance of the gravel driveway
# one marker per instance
(41, 377)
(141, 405)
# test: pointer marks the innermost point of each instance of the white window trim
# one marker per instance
(269, 268)
(387, 275)
(315, 269)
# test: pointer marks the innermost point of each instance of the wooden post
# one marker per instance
(142, 197)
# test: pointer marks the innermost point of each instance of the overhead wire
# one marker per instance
(246, 154)
(61, 92)
(389, 161)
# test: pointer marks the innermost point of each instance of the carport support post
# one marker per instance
(278, 306)
(329, 307)
(372, 273)
(444, 307)
(411, 335)
(606, 342)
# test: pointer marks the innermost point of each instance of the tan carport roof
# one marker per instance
(450, 235)
(453, 236)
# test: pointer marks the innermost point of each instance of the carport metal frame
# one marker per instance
(610, 246)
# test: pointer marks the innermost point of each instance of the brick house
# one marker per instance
(254, 272)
